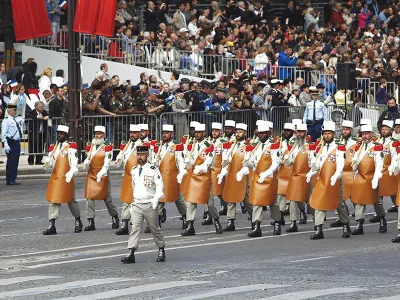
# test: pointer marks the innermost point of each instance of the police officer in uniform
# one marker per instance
(11, 129)
(314, 115)
(148, 190)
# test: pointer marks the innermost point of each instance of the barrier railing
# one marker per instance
(367, 111)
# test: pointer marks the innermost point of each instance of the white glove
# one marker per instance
(46, 160)
(244, 171)
(86, 164)
(334, 178)
(264, 175)
(154, 203)
(221, 175)
(309, 175)
(200, 169)
(179, 177)
(355, 165)
(288, 160)
(7, 148)
(375, 182)
(68, 177)
(101, 173)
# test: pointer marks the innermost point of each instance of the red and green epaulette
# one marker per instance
(122, 145)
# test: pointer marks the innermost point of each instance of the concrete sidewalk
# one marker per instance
(26, 171)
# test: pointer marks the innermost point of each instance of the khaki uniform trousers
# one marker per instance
(139, 213)
(91, 208)
(191, 209)
(231, 207)
(281, 199)
(54, 209)
(275, 212)
(378, 207)
(126, 212)
(180, 205)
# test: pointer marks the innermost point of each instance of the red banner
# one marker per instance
(30, 19)
(95, 19)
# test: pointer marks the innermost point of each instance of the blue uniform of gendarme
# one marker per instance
(12, 129)
(314, 123)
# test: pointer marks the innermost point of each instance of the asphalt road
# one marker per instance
(207, 266)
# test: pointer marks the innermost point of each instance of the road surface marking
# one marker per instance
(14, 280)
(397, 297)
(309, 259)
(61, 287)
(232, 290)
(135, 290)
(25, 233)
(26, 218)
(313, 294)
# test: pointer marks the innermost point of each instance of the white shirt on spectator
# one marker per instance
(193, 29)
(44, 84)
(59, 81)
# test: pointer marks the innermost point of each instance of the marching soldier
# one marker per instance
(299, 183)
(367, 165)
(128, 157)
(216, 167)
(168, 158)
(198, 160)
(234, 191)
(265, 159)
(284, 172)
(63, 159)
(147, 190)
(229, 136)
(350, 144)
(394, 171)
(98, 184)
(387, 184)
(328, 163)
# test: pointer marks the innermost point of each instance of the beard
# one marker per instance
(301, 141)
(97, 142)
(396, 136)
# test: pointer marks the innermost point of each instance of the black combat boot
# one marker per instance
(161, 255)
(243, 207)
(124, 228)
(303, 217)
(292, 227)
(318, 235)
(393, 208)
(91, 226)
(286, 211)
(218, 227)
(184, 223)
(115, 222)
(78, 225)
(256, 231)
(224, 209)
(375, 219)
(281, 221)
(52, 228)
(337, 223)
(208, 220)
(230, 226)
(382, 225)
(277, 228)
(163, 216)
(346, 231)
(359, 228)
(396, 239)
(189, 230)
(130, 258)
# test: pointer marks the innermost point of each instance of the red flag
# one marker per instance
(95, 19)
(30, 19)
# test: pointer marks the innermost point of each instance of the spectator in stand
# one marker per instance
(179, 17)
(288, 14)
(305, 96)
(285, 59)
(328, 10)
(3, 75)
(375, 8)
(45, 82)
(104, 69)
(30, 79)
(58, 79)
(62, 37)
(56, 109)
(5, 96)
(37, 128)
(152, 16)
(336, 15)
(180, 105)
(381, 93)
(310, 18)
(123, 12)
(261, 61)
(19, 98)
(392, 113)
(53, 9)
(363, 17)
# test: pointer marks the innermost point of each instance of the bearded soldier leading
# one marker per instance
(168, 158)
(98, 185)
(367, 165)
(63, 160)
(234, 191)
(265, 159)
(198, 160)
(127, 156)
(328, 163)
(349, 143)
(148, 190)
